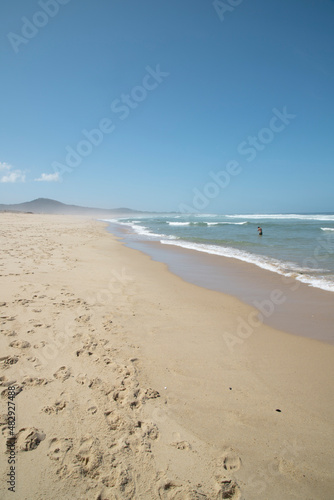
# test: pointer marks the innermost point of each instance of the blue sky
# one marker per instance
(216, 106)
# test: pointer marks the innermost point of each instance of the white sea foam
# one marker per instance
(323, 283)
(327, 228)
(178, 223)
(141, 230)
(288, 269)
(203, 223)
(144, 231)
(314, 217)
(226, 223)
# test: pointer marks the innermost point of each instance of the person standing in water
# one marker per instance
(259, 229)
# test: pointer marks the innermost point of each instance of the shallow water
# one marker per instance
(294, 245)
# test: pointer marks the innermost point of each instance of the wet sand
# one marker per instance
(295, 307)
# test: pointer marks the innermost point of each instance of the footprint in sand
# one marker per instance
(18, 389)
(170, 490)
(228, 489)
(150, 394)
(35, 361)
(59, 405)
(9, 333)
(133, 399)
(7, 361)
(89, 457)
(181, 445)
(7, 318)
(114, 420)
(83, 319)
(33, 381)
(124, 483)
(3, 420)
(105, 360)
(28, 438)
(58, 448)
(82, 379)
(149, 430)
(127, 426)
(85, 350)
(63, 373)
(106, 494)
(40, 345)
(228, 463)
(88, 348)
(23, 302)
(77, 336)
(229, 460)
(96, 383)
(108, 325)
(120, 395)
(5, 382)
(20, 344)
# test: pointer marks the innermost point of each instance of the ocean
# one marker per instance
(300, 246)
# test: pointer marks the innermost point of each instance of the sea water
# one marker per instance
(295, 245)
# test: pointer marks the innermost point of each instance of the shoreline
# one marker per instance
(133, 383)
(283, 303)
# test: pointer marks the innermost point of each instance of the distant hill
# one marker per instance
(47, 206)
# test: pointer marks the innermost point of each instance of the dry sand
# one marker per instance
(133, 384)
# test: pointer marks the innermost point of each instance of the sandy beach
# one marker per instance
(131, 383)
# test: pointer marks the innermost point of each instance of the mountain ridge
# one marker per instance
(49, 206)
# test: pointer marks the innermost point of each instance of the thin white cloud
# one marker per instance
(4, 166)
(49, 177)
(11, 174)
